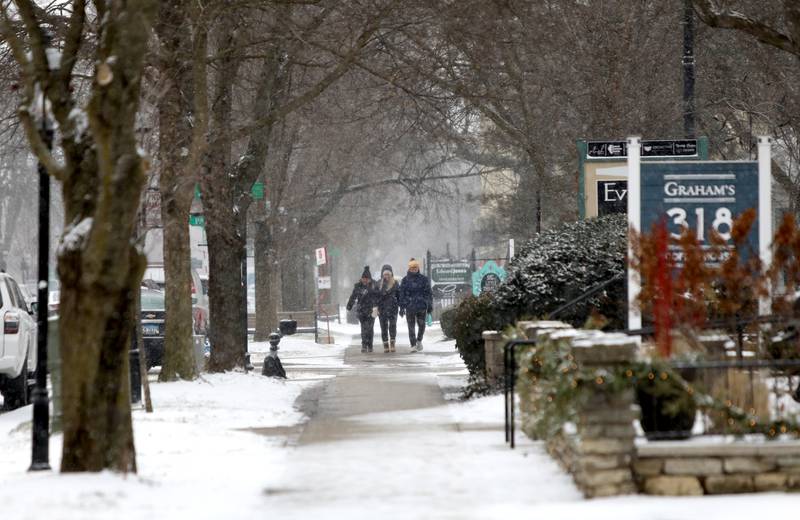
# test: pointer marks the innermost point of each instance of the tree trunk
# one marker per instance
(95, 324)
(267, 283)
(178, 347)
(226, 253)
(176, 187)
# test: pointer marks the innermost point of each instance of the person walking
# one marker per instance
(365, 299)
(388, 303)
(416, 300)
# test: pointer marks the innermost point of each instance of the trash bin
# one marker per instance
(287, 327)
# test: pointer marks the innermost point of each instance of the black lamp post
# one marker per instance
(40, 459)
(688, 70)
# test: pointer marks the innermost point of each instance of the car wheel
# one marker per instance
(16, 390)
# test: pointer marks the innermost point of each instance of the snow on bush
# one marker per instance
(551, 269)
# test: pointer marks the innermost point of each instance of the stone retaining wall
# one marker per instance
(604, 458)
(599, 454)
(493, 344)
(700, 466)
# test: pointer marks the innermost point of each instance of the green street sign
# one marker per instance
(197, 220)
(257, 191)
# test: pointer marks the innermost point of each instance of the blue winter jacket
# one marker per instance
(415, 293)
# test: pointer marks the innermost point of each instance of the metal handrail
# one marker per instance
(591, 292)
(509, 384)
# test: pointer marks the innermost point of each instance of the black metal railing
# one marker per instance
(509, 385)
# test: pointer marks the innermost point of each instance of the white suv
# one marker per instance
(17, 344)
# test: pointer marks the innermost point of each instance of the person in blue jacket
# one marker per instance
(416, 301)
(365, 297)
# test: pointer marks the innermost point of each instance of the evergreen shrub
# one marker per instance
(446, 320)
(551, 269)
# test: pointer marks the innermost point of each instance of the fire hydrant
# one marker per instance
(272, 363)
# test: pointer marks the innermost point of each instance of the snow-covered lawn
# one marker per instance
(208, 450)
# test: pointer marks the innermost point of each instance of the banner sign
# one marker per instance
(660, 148)
(488, 278)
(702, 196)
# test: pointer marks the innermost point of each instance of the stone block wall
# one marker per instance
(701, 467)
(599, 453)
(493, 345)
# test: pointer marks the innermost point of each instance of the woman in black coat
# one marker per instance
(388, 303)
(365, 298)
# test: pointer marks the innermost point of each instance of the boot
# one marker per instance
(363, 349)
(369, 348)
(385, 347)
(391, 345)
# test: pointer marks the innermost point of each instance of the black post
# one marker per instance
(688, 70)
(247, 365)
(539, 210)
(428, 263)
(40, 457)
(135, 370)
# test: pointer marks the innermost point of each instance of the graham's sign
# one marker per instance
(702, 196)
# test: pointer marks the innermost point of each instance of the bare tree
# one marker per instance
(102, 175)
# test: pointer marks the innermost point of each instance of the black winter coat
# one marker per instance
(364, 297)
(389, 299)
(415, 293)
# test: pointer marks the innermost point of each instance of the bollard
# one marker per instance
(272, 363)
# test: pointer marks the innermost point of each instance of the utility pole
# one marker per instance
(688, 70)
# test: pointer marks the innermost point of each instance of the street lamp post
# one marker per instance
(688, 70)
(40, 459)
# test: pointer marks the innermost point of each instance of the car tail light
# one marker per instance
(10, 323)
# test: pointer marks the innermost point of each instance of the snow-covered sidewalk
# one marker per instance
(385, 440)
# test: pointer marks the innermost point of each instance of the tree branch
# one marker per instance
(714, 16)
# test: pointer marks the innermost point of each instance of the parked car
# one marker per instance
(153, 315)
(17, 344)
(154, 277)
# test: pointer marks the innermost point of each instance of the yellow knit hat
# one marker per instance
(413, 263)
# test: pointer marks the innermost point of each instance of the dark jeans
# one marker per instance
(388, 327)
(367, 328)
(416, 318)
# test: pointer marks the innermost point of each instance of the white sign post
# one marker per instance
(765, 216)
(635, 225)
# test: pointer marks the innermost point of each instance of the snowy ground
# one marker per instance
(383, 443)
